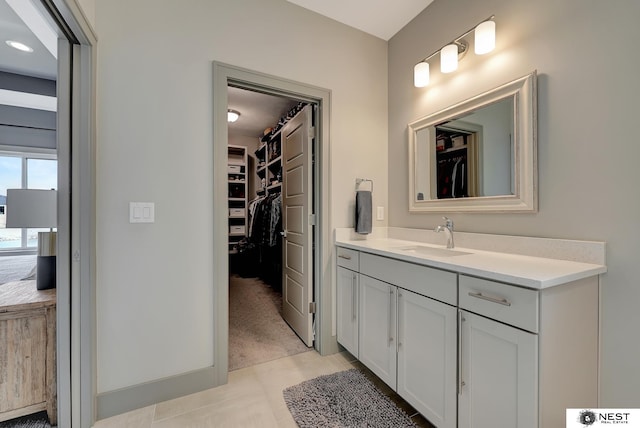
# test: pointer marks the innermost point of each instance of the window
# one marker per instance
(24, 171)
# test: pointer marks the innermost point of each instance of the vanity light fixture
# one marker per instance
(421, 74)
(232, 115)
(485, 37)
(449, 58)
(20, 46)
(484, 42)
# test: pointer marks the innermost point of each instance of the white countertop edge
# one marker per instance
(592, 252)
(526, 271)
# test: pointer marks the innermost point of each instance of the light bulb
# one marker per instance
(421, 75)
(485, 37)
(449, 58)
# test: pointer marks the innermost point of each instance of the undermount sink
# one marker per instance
(431, 251)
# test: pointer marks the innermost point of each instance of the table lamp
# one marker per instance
(34, 208)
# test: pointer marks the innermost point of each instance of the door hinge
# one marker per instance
(312, 219)
(312, 307)
(312, 132)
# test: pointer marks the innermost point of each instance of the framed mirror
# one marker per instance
(479, 155)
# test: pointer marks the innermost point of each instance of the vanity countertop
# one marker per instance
(523, 270)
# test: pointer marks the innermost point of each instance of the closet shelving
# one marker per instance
(456, 162)
(237, 194)
(269, 157)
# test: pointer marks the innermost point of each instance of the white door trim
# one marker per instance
(223, 74)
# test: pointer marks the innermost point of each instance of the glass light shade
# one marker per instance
(232, 115)
(421, 75)
(485, 37)
(449, 58)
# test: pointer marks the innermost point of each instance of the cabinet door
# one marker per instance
(22, 362)
(427, 342)
(498, 375)
(347, 306)
(377, 328)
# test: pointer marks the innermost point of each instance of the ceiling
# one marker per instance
(39, 63)
(381, 18)
(258, 111)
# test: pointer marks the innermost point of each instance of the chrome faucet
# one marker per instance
(448, 229)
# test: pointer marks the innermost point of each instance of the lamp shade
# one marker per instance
(31, 208)
(449, 58)
(421, 75)
(485, 37)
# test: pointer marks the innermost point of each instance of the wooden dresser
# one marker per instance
(27, 350)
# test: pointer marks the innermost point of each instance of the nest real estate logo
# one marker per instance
(580, 418)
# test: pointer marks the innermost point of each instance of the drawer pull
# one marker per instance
(504, 302)
(342, 256)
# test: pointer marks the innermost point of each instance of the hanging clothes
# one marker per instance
(265, 220)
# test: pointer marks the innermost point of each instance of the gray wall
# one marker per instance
(154, 285)
(587, 139)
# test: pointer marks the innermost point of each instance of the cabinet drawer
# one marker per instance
(236, 229)
(348, 258)
(434, 283)
(503, 302)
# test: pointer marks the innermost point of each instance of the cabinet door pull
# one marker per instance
(354, 298)
(390, 311)
(503, 301)
(342, 256)
(460, 381)
(401, 312)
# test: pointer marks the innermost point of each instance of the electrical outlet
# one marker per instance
(380, 213)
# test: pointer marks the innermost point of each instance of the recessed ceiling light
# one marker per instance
(37, 23)
(20, 46)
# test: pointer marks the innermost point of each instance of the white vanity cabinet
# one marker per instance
(526, 355)
(427, 356)
(347, 309)
(498, 355)
(347, 290)
(377, 332)
(498, 375)
(468, 351)
(408, 331)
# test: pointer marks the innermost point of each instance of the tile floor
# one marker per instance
(252, 398)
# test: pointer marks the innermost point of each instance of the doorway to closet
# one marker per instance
(270, 199)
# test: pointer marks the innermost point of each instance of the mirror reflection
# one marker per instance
(477, 155)
(472, 155)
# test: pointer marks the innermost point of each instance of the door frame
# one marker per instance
(76, 140)
(223, 74)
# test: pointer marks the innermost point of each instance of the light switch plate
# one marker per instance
(380, 213)
(141, 212)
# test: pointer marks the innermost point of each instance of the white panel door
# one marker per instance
(347, 307)
(297, 194)
(377, 328)
(499, 375)
(427, 357)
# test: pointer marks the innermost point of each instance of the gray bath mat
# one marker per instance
(37, 420)
(343, 399)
